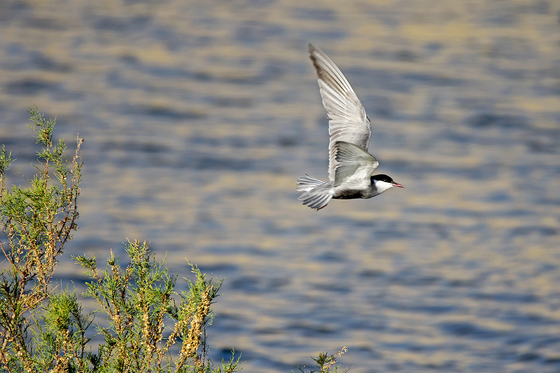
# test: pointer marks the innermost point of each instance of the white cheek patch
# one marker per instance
(382, 186)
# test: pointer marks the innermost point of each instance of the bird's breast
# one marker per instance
(347, 193)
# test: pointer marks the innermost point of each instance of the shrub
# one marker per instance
(45, 329)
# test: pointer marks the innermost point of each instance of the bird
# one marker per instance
(351, 166)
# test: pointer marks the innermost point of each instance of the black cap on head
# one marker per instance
(383, 177)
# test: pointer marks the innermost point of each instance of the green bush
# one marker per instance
(42, 329)
(324, 363)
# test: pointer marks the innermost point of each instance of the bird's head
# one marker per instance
(383, 182)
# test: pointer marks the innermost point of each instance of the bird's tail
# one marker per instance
(315, 194)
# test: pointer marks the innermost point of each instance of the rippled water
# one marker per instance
(200, 115)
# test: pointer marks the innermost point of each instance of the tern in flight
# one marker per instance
(351, 167)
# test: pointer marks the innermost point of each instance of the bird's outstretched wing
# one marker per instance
(348, 120)
(354, 165)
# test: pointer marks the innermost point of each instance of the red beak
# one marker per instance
(397, 185)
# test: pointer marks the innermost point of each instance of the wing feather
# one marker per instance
(348, 120)
(354, 166)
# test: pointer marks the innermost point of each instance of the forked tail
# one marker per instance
(316, 193)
